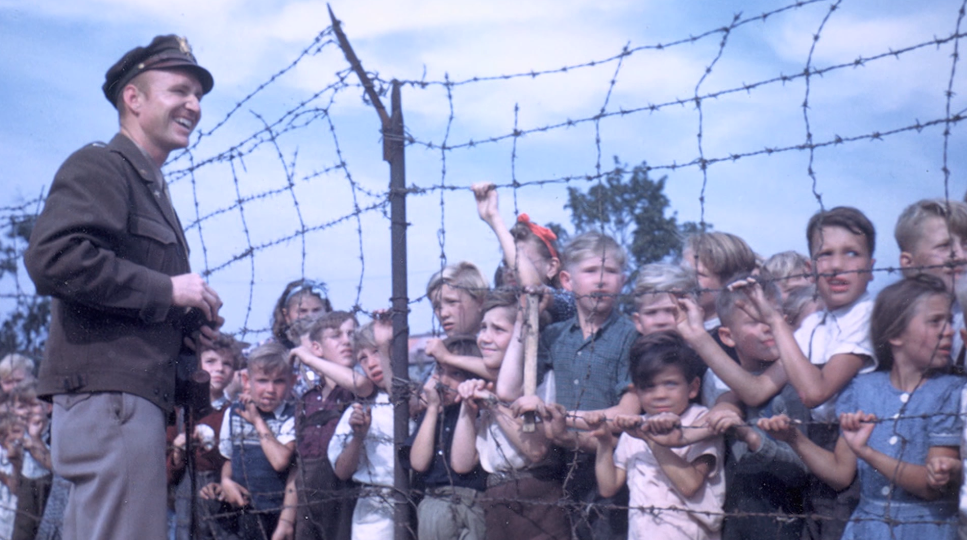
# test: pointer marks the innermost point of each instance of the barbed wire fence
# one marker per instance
(285, 201)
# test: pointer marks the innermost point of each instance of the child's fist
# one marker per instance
(779, 427)
(941, 471)
(360, 419)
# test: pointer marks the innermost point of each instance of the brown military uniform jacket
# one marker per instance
(105, 247)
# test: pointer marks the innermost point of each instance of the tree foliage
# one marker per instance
(634, 210)
(23, 328)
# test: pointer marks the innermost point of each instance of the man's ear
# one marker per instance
(245, 379)
(315, 348)
(725, 334)
(132, 98)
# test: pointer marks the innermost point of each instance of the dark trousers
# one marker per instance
(326, 503)
(593, 517)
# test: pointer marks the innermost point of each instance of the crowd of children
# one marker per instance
(744, 398)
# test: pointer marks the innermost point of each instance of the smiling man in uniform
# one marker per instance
(110, 249)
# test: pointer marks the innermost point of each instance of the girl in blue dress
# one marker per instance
(900, 421)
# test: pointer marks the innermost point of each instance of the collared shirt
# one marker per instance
(845, 330)
(589, 373)
(238, 431)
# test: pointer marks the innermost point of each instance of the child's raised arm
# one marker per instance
(753, 390)
(348, 459)
(815, 386)
(346, 377)
(486, 195)
(836, 468)
(510, 376)
(279, 455)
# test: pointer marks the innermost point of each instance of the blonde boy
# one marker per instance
(258, 440)
(715, 257)
(656, 305)
(589, 356)
(931, 235)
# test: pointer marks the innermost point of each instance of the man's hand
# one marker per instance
(857, 428)
(780, 428)
(942, 471)
(190, 290)
(431, 394)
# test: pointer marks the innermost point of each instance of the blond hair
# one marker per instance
(908, 229)
(723, 254)
(592, 244)
(12, 362)
(463, 275)
(662, 278)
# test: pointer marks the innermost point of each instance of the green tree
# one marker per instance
(634, 210)
(24, 328)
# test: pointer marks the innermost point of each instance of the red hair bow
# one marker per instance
(546, 235)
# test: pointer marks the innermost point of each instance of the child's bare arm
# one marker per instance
(424, 444)
(753, 390)
(609, 477)
(815, 386)
(836, 468)
(486, 195)
(232, 491)
(687, 477)
(510, 376)
(463, 452)
(278, 454)
(627, 405)
(348, 459)
(285, 529)
(472, 364)
(346, 377)
(914, 478)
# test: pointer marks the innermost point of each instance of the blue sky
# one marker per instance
(55, 55)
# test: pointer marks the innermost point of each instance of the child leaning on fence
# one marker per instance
(362, 445)
(220, 359)
(900, 424)
(524, 487)
(323, 502)
(675, 492)
(451, 504)
(258, 440)
(589, 357)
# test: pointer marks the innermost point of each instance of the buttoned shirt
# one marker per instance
(590, 373)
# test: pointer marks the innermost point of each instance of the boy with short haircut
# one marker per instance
(589, 357)
(715, 257)
(323, 505)
(450, 507)
(656, 305)
(824, 354)
(258, 439)
(931, 235)
(790, 270)
(220, 360)
(765, 477)
(362, 446)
